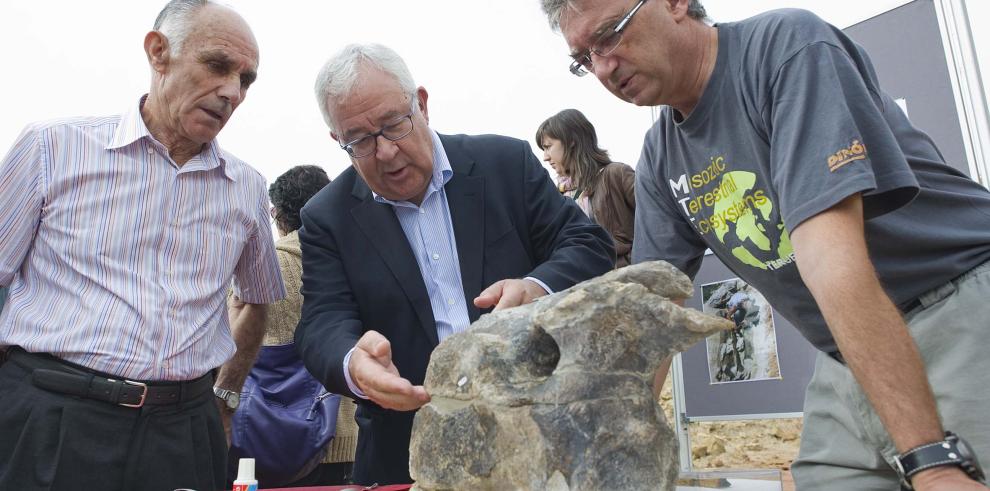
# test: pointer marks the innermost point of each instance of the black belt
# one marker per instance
(837, 356)
(910, 305)
(51, 373)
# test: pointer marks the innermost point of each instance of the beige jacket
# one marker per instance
(283, 316)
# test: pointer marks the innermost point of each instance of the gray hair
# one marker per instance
(340, 73)
(554, 8)
(175, 21)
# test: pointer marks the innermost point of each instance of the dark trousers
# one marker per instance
(53, 441)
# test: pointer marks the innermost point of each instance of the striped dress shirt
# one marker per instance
(118, 259)
(430, 233)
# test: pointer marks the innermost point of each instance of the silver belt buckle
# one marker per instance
(144, 393)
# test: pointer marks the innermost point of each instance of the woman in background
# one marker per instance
(604, 189)
(288, 194)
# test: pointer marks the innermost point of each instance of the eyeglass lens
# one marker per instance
(604, 45)
(368, 144)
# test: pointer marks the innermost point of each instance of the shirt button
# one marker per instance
(151, 150)
(450, 301)
(436, 256)
(422, 211)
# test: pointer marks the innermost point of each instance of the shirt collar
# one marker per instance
(132, 128)
(442, 173)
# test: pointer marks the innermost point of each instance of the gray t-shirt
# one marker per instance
(792, 122)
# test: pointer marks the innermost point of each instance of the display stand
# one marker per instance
(698, 400)
(755, 480)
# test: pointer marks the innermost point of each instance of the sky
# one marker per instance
(490, 66)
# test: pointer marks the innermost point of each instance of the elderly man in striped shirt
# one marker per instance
(119, 237)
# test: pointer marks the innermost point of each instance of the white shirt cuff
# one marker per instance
(542, 284)
(347, 376)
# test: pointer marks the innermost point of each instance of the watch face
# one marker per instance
(962, 447)
(233, 400)
(970, 463)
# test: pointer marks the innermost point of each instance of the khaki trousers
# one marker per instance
(845, 447)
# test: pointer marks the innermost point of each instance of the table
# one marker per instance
(736, 480)
(352, 487)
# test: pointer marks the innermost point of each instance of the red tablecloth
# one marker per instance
(354, 487)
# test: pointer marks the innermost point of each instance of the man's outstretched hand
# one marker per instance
(374, 373)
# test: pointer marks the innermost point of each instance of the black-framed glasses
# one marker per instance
(604, 45)
(394, 131)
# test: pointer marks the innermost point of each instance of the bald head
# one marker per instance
(178, 18)
(203, 58)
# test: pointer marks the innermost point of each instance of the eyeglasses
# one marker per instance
(604, 45)
(368, 144)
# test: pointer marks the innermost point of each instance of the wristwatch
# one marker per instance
(229, 397)
(952, 451)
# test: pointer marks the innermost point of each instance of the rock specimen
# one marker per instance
(556, 395)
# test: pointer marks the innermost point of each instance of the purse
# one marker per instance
(284, 421)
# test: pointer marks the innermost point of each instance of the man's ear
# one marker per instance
(677, 8)
(334, 136)
(422, 96)
(156, 48)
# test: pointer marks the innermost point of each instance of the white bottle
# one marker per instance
(245, 476)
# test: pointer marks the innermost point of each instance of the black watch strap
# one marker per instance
(947, 452)
(927, 456)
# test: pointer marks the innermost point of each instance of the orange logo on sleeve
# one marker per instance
(855, 151)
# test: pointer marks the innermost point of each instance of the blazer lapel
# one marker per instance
(380, 225)
(466, 200)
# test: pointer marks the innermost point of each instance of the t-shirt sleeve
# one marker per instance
(661, 232)
(829, 138)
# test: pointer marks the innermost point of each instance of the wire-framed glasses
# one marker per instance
(604, 45)
(368, 144)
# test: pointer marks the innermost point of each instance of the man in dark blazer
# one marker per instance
(413, 242)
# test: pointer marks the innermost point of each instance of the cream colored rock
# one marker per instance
(557, 394)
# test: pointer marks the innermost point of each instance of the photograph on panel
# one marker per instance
(748, 352)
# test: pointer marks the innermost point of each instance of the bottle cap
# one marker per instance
(245, 470)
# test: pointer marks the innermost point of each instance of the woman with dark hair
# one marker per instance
(605, 189)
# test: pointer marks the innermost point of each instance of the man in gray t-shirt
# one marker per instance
(778, 150)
